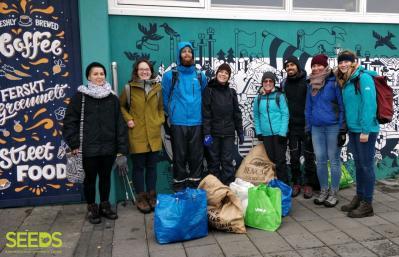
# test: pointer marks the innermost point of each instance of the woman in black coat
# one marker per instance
(222, 118)
(105, 138)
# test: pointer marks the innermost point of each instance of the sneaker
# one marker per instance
(93, 213)
(296, 189)
(307, 192)
(322, 197)
(106, 211)
(365, 209)
(352, 205)
(331, 200)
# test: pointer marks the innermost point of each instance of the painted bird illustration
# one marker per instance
(381, 41)
(168, 30)
(149, 34)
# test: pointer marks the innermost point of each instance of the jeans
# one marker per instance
(325, 145)
(363, 155)
(147, 161)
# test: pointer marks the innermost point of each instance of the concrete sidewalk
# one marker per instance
(309, 230)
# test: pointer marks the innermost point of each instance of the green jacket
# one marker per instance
(146, 111)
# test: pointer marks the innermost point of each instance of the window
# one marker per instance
(331, 5)
(383, 6)
(178, 3)
(263, 3)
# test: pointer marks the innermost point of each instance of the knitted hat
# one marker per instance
(292, 59)
(346, 56)
(320, 59)
(269, 75)
(92, 65)
(224, 67)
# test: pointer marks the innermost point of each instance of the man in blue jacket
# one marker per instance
(182, 89)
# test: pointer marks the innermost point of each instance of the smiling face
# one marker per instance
(268, 85)
(291, 69)
(317, 69)
(344, 66)
(144, 71)
(186, 56)
(97, 76)
(222, 76)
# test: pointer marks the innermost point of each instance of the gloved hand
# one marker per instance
(308, 137)
(260, 137)
(341, 139)
(241, 138)
(208, 140)
(282, 140)
(121, 163)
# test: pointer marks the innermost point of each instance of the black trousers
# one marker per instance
(147, 162)
(188, 155)
(276, 152)
(296, 144)
(220, 159)
(101, 166)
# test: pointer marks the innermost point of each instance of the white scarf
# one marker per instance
(96, 91)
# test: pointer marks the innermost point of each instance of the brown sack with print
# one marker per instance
(224, 207)
(256, 167)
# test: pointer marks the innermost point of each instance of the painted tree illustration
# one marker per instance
(221, 55)
(230, 56)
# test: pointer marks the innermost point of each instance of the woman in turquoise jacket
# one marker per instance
(360, 105)
(271, 123)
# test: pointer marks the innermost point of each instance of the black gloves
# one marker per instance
(341, 139)
(260, 137)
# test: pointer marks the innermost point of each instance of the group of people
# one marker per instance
(305, 113)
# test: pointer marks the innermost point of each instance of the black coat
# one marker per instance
(221, 112)
(295, 88)
(104, 130)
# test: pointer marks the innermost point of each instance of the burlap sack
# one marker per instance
(256, 167)
(224, 207)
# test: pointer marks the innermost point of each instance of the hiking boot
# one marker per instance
(352, 205)
(365, 209)
(152, 199)
(307, 192)
(296, 189)
(331, 200)
(142, 203)
(322, 197)
(106, 211)
(93, 213)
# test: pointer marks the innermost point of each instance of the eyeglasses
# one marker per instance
(144, 69)
(268, 81)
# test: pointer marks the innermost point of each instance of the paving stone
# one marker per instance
(283, 254)
(381, 207)
(81, 249)
(303, 241)
(393, 205)
(333, 237)
(388, 231)
(381, 197)
(374, 220)
(239, 248)
(95, 243)
(229, 237)
(345, 223)
(43, 214)
(304, 214)
(328, 213)
(268, 242)
(212, 250)
(289, 228)
(209, 240)
(169, 253)
(131, 248)
(352, 250)
(363, 234)
(395, 240)
(383, 248)
(390, 216)
(317, 252)
(317, 225)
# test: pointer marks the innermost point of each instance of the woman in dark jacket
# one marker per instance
(104, 138)
(324, 114)
(222, 118)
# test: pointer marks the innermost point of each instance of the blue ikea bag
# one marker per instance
(181, 216)
(286, 192)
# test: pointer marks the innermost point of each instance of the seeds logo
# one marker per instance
(33, 242)
(36, 68)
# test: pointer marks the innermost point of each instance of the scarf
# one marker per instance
(96, 91)
(317, 81)
(145, 84)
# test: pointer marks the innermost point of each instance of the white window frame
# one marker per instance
(249, 13)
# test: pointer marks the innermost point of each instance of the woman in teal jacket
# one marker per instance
(271, 123)
(360, 105)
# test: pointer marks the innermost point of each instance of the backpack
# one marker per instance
(128, 96)
(384, 97)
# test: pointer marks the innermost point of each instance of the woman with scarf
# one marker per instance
(104, 138)
(360, 104)
(324, 119)
(142, 108)
(271, 118)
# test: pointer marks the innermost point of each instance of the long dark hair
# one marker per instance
(135, 76)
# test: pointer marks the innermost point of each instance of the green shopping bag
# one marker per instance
(264, 208)
(346, 178)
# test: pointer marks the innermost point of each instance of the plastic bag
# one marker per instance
(181, 216)
(264, 208)
(286, 192)
(240, 188)
(346, 178)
